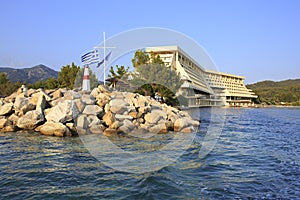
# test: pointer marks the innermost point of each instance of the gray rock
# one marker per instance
(95, 92)
(93, 120)
(70, 95)
(13, 118)
(3, 123)
(82, 122)
(92, 110)
(79, 105)
(154, 116)
(30, 120)
(182, 123)
(123, 117)
(158, 128)
(56, 102)
(57, 94)
(118, 106)
(41, 103)
(30, 92)
(55, 129)
(6, 109)
(63, 112)
(41, 92)
(97, 129)
(88, 99)
(128, 124)
(72, 128)
(12, 97)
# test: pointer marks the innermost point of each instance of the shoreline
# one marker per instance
(64, 112)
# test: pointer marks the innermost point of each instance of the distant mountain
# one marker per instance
(273, 84)
(271, 92)
(29, 75)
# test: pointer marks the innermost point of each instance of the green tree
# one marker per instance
(155, 76)
(155, 58)
(52, 83)
(6, 87)
(3, 78)
(116, 76)
(67, 75)
(140, 58)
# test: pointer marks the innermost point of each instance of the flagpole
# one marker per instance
(104, 56)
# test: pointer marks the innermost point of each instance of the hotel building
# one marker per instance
(204, 87)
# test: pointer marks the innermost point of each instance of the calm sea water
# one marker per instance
(257, 156)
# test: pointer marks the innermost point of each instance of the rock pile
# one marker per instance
(64, 112)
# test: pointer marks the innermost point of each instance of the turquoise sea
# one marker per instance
(256, 156)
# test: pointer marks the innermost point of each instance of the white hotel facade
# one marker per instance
(204, 87)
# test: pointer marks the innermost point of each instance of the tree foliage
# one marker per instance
(3, 78)
(6, 87)
(50, 83)
(67, 75)
(116, 76)
(272, 93)
(154, 78)
(140, 58)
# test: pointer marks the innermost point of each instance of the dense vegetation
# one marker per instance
(275, 93)
(70, 76)
(154, 78)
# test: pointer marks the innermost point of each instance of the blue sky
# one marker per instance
(256, 39)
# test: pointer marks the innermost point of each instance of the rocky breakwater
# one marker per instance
(64, 112)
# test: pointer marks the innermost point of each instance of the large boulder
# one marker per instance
(103, 89)
(93, 120)
(6, 109)
(41, 93)
(3, 123)
(185, 124)
(110, 132)
(96, 129)
(181, 123)
(92, 110)
(30, 92)
(55, 129)
(88, 99)
(57, 94)
(12, 97)
(109, 118)
(140, 101)
(70, 95)
(115, 125)
(13, 118)
(159, 128)
(123, 117)
(84, 121)
(95, 92)
(154, 116)
(22, 105)
(80, 105)
(10, 128)
(102, 99)
(31, 119)
(118, 106)
(63, 112)
(41, 103)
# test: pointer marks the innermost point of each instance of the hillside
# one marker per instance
(29, 75)
(271, 92)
